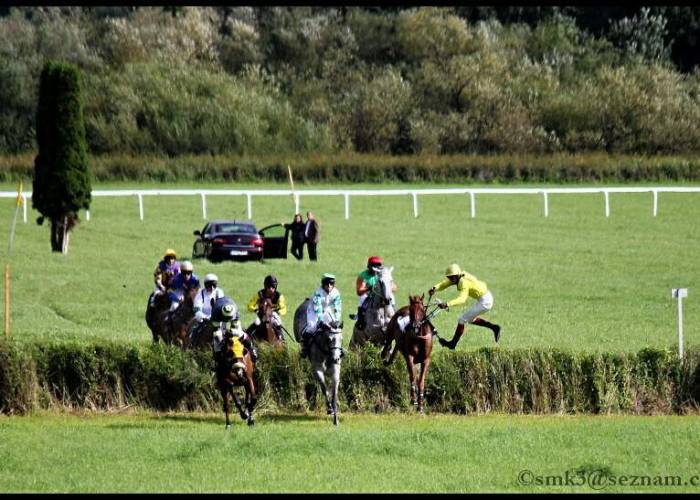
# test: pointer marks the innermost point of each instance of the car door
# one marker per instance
(275, 238)
(199, 246)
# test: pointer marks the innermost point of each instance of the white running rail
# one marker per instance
(347, 193)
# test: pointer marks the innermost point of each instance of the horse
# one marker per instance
(415, 343)
(379, 309)
(325, 352)
(266, 329)
(156, 317)
(234, 368)
(204, 336)
(182, 319)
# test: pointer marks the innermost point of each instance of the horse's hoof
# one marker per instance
(335, 419)
(228, 427)
(329, 411)
(251, 422)
(244, 415)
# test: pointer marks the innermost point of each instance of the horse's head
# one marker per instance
(233, 351)
(383, 288)
(332, 340)
(265, 309)
(416, 309)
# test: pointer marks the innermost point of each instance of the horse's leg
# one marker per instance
(318, 372)
(411, 377)
(227, 407)
(335, 373)
(251, 399)
(239, 405)
(421, 382)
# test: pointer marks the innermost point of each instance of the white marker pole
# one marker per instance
(680, 293)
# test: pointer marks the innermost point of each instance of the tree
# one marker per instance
(61, 184)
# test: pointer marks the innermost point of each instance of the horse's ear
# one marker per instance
(422, 297)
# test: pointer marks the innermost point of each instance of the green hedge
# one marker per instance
(378, 168)
(108, 375)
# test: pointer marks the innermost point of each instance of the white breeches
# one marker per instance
(482, 305)
(362, 299)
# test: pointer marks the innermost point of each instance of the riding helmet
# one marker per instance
(211, 278)
(187, 266)
(270, 280)
(328, 278)
(374, 262)
(453, 270)
(169, 253)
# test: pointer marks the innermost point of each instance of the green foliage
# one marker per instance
(256, 80)
(108, 375)
(61, 184)
(462, 169)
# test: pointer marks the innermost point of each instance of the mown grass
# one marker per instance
(574, 280)
(367, 453)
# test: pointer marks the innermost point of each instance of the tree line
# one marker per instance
(393, 80)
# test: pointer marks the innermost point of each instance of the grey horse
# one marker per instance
(378, 313)
(325, 353)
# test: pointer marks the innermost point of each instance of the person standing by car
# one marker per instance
(311, 234)
(297, 229)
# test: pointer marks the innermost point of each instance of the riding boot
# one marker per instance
(361, 318)
(304, 347)
(496, 329)
(453, 343)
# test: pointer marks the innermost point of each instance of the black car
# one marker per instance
(239, 240)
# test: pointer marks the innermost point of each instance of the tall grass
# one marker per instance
(374, 168)
(109, 375)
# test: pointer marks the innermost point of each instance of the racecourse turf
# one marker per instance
(575, 280)
(146, 452)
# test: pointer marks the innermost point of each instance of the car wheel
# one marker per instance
(198, 250)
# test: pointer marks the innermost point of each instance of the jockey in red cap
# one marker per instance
(365, 281)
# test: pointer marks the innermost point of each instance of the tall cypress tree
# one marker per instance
(61, 184)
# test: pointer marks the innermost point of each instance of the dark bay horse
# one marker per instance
(266, 330)
(182, 319)
(156, 318)
(415, 343)
(234, 368)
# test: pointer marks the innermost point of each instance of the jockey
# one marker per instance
(183, 283)
(225, 316)
(204, 300)
(164, 273)
(468, 286)
(269, 291)
(325, 307)
(364, 283)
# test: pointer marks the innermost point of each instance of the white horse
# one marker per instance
(325, 352)
(378, 312)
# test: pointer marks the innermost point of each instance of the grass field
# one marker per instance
(574, 280)
(367, 453)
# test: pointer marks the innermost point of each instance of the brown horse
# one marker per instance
(234, 368)
(266, 330)
(182, 319)
(415, 343)
(156, 317)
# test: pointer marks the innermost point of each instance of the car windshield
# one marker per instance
(235, 228)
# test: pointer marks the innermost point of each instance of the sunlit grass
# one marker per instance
(573, 280)
(367, 453)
